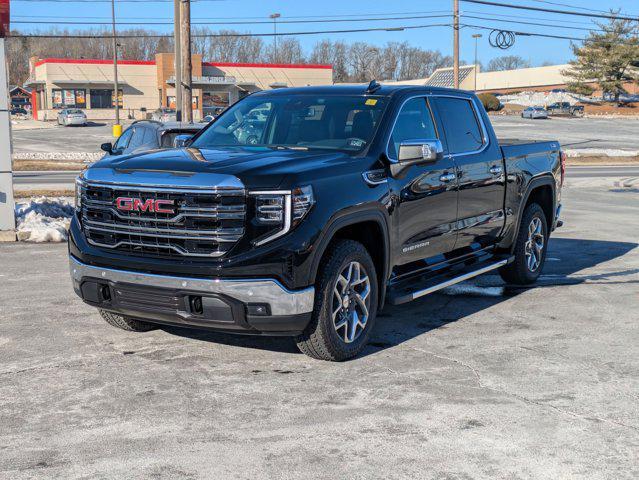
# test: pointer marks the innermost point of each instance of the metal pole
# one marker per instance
(456, 43)
(476, 36)
(7, 207)
(185, 50)
(178, 60)
(275, 16)
(116, 89)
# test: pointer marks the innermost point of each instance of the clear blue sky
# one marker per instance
(534, 49)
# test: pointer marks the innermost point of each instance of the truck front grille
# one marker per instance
(190, 222)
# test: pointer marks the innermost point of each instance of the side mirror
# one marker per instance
(107, 147)
(416, 152)
(181, 140)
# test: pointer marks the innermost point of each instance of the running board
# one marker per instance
(396, 297)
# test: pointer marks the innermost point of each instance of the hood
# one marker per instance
(256, 167)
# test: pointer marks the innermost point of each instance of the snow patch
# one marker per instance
(532, 99)
(78, 156)
(43, 219)
(600, 152)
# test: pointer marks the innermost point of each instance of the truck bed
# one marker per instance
(515, 147)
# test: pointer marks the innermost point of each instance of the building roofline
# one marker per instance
(267, 65)
(94, 61)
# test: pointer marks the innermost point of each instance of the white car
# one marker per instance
(164, 115)
(534, 112)
(72, 116)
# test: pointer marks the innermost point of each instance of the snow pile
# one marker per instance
(43, 219)
(532, 99)
(473, 290)
(600, 152)
(80, 156)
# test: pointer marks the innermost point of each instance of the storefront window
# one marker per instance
(103, 98)
(69, 98)
(170, 102)
(214, 102)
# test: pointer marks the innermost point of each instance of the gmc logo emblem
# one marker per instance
(152, 205)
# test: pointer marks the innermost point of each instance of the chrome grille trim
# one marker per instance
(206, 222)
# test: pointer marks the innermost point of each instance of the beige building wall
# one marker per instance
(137, 82)
(523, 78)
(144, 83)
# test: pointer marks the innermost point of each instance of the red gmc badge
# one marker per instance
(152, 205)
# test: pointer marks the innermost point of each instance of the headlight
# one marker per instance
(282, 209)
(78, 193)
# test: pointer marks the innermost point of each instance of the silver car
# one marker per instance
(72, 116)
(534, 112)
(164, 115)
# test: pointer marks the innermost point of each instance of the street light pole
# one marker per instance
(476, 36)
(117, 128)
(274, 16)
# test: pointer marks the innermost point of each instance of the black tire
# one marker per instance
(125, 323)
(519, 272)
(321, 339)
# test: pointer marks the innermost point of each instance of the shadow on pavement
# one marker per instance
(397, 324)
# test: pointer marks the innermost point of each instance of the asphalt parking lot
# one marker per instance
(575, 133)
(537, 383)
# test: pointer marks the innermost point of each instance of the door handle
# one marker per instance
(447, 177)
(496, 170)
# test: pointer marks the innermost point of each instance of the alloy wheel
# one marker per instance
(534, 246)
(351, 302)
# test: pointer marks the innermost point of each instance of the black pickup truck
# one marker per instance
(351, 197)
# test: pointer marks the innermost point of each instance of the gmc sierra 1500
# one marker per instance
(348, 197)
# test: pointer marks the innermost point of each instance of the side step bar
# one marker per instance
(403, 297)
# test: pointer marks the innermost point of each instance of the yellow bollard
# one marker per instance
(117, 130)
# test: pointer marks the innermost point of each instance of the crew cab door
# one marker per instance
(427, 194)
(480, 172)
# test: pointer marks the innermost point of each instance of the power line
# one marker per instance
(216, 35)
(534, 23)
(573, 6)
(370, 19)
(549, 10)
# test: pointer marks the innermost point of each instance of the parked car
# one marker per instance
(145, 135)
(208, 118)
(534, 112)
(311, 232)
(72, 116)
(565, 108)
(19, 111)
(164, 115)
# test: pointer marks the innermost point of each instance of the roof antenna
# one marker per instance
(373, 87)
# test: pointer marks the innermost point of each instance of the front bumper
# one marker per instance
(259, 306)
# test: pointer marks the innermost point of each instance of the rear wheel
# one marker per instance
(126, 323)
(530, 248)
(345, 304)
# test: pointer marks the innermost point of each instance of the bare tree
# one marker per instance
(507, 62)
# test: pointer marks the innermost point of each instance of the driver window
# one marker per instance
(123, 141)
(414, 122)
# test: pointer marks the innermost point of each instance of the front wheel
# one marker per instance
(530, 248)
(345, 304)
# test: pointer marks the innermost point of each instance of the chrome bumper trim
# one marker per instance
(281, 300)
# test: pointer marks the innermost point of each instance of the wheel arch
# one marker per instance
(365, 227)
(541, 190)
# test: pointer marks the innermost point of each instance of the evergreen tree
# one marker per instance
(606, 57)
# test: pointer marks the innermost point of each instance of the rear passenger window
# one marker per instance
(461, 125)
(414, 122)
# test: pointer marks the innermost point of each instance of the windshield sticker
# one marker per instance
(371, 101)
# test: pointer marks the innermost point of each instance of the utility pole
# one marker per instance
(476, 36)
(7, 207)
(456, 43)
(185, 50)
(117, 128)
(275, 16)
(178, 60)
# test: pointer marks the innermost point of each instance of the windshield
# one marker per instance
(331, 122)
